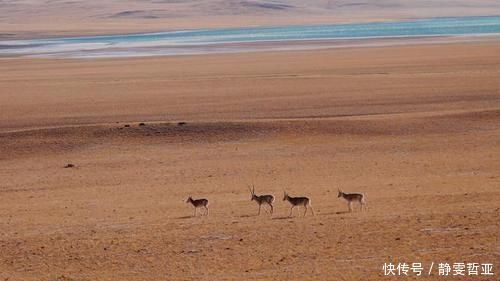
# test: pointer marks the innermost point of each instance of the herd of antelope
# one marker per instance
(268, 199)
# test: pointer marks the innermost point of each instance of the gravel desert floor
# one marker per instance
(415, 128)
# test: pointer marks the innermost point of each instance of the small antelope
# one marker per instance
(198, 203)
(353, 197)
(298, 201)
(262, 199)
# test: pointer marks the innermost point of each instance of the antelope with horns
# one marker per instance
(353, 197)
(261, 199)
(198, 203)
(298, 201)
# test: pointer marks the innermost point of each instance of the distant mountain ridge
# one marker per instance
(38, 17)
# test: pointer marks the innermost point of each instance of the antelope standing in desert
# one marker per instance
(198, 203)
(298, 201)
(353, 197)
(262, 199)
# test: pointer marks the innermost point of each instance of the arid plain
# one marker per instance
(416, 128)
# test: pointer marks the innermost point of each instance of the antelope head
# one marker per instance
(252, 192)
(285, 195)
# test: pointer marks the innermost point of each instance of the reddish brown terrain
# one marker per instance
(415, 128)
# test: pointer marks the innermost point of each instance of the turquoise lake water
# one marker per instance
(240, 39)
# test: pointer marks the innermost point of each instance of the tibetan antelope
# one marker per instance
(198, 203)
(353, 197)
(298, 201)
(262, 199)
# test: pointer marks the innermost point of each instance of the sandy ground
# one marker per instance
(416, 128)
(40, 18)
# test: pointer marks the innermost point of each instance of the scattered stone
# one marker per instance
(69, 165)
(64, 278)
(142, 124)
(126, 126)
(397, 239)
(181, 123)
(216, 237)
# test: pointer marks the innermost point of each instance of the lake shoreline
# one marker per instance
(241, 40)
